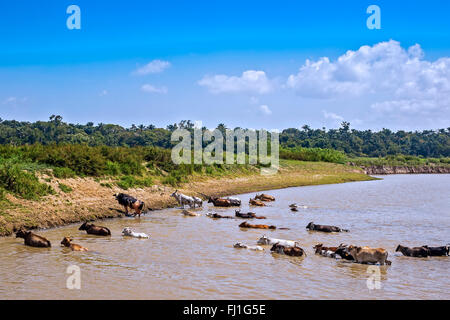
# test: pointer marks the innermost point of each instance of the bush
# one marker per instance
(313, 154)
(22, 183)
(127, 182)
(63, 173)
(65, 188)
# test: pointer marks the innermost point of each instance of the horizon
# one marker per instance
(249, 65)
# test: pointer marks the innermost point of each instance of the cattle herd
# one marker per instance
(358, 254)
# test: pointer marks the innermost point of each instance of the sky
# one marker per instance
(252, 64)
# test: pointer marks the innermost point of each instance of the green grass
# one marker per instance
(22, 183)
(127, 182)
(64, 188)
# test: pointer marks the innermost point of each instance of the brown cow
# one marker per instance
(93, 229)
(254, 202)
(264, 197)
(218, 202)
(33, 240)
(369, 255)
(245, 224)
(325, 251)
(290, 251)
(73, 246)
(420, 252)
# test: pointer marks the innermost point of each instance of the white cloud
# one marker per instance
(155, 66)
(14, 101)
(152, 89)
(333, 116)
(250, 81)
(394, 80)
(265, 109)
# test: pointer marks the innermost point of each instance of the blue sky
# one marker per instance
(243, 63)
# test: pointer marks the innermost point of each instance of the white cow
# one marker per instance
(186, 200)
(244, 246)
(130, 233)
(271, 241)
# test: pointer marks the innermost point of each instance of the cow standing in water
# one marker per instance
(128, 201)
(183, 200)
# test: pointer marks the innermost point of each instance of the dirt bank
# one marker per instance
(91, 200)
(374, 170)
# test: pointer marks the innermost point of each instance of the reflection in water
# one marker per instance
(194, 258)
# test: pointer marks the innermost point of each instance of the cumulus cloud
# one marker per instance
(152, 89)
(250, 81)
(265, 109)
(396, 79)
(155, 66)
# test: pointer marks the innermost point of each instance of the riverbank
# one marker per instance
(382, 169)
(91, 199)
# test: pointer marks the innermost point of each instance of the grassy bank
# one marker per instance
(75, 198)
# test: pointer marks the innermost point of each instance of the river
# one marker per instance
(194, 258)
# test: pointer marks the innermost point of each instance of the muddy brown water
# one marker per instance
(194, 258)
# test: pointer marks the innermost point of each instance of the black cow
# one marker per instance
(420, 252)
(323, 228)
(437, 251)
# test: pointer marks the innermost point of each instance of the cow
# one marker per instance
(128, 201)
(33, 240)
(264, 197)
(287, 250)
(323, 228)
(245, 224)
(183, 200)
(130, 233)
(235, 202)
(96, 230)
(325, 251)
(419, 252)
(254, 202)
(218, 202)
(218, 216)
(249, 215)
(240, 245)
(190, 214)
(66, 241)
(342, 251)
(264, 240)
(369, 255)
(437, 251)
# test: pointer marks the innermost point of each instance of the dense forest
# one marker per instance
(354, 143)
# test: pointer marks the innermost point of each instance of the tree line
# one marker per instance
(354, 143)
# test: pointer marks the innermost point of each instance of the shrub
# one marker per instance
(22, 183)
(127, 182)
(65, 188)
(63, 173)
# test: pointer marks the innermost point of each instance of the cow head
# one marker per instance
(84, 226)
(310, 226)
(263, 240)
(399, 247)
(66, 241)
(318, 247)
(22, 233)
(126, 231)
